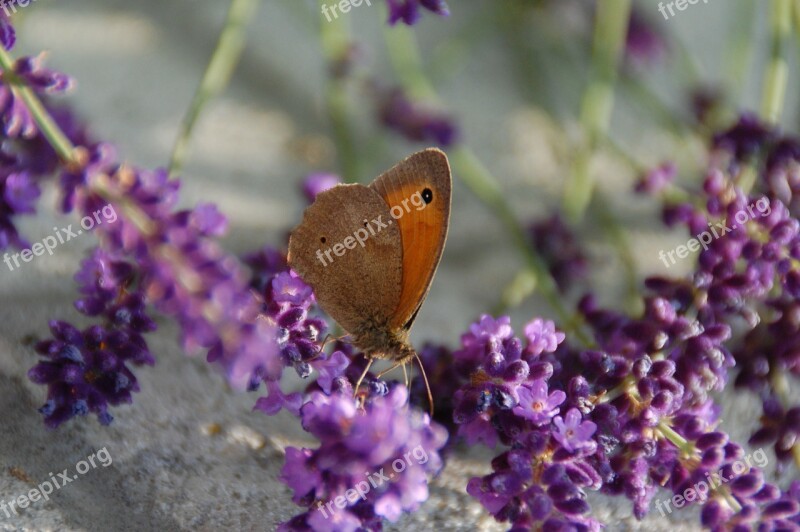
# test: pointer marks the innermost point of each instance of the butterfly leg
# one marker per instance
(384, 372)
(361, 378)
(405, 375)
(328, 339)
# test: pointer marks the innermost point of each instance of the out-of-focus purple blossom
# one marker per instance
(645, 45)
(330, 368)
(409, 11)
(657, 179)
(264, 265)
(386, 450)
(746, 138)
(277, 400)
(316, 183)
(16, 119)
(414, 121)
(704, 103)
(559, 247)
(18, 195)
(25, 156)
(8, 37)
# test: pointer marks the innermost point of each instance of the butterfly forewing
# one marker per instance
(362, 283)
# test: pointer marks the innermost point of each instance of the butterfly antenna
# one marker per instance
(425, 378)
(361, 378)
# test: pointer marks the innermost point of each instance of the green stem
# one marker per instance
(739, 52)
(685, 446)
(611, 25)
(619, 238)
(777, 74)
(335, 41)
(57, 139)
(407, 63)
(217, 75)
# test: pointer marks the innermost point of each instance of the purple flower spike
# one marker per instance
(384, 451)
(87, 371)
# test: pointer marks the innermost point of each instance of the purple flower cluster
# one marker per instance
(414, 121)
(25, 157)
(372, 463)
(409, 11)
(86, 371)
(559, 247)
(540, 481)
(749, 275)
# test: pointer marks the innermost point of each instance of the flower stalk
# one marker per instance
(611, 25)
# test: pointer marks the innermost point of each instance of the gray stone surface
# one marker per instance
(189, 454)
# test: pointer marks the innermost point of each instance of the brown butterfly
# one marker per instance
(370, 253)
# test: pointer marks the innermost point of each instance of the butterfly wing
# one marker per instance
(360, 283)
(423, 225)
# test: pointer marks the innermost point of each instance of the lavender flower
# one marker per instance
(8, 37)
(644, 44)
(536, 405)
(25, 157)
(573, 433)
(414, 121)
(558, 245)
(16, 119)
(409, 10)
(316, 183)
(657, 179)
(372, 463)
(18, 195)
(88, 371)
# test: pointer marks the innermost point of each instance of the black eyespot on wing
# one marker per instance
(427, 195)
(323, 239)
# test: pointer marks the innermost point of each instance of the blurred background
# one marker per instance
(510, 75)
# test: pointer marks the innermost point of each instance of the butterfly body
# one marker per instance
(370, 252)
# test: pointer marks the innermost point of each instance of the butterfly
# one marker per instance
(370, 253)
